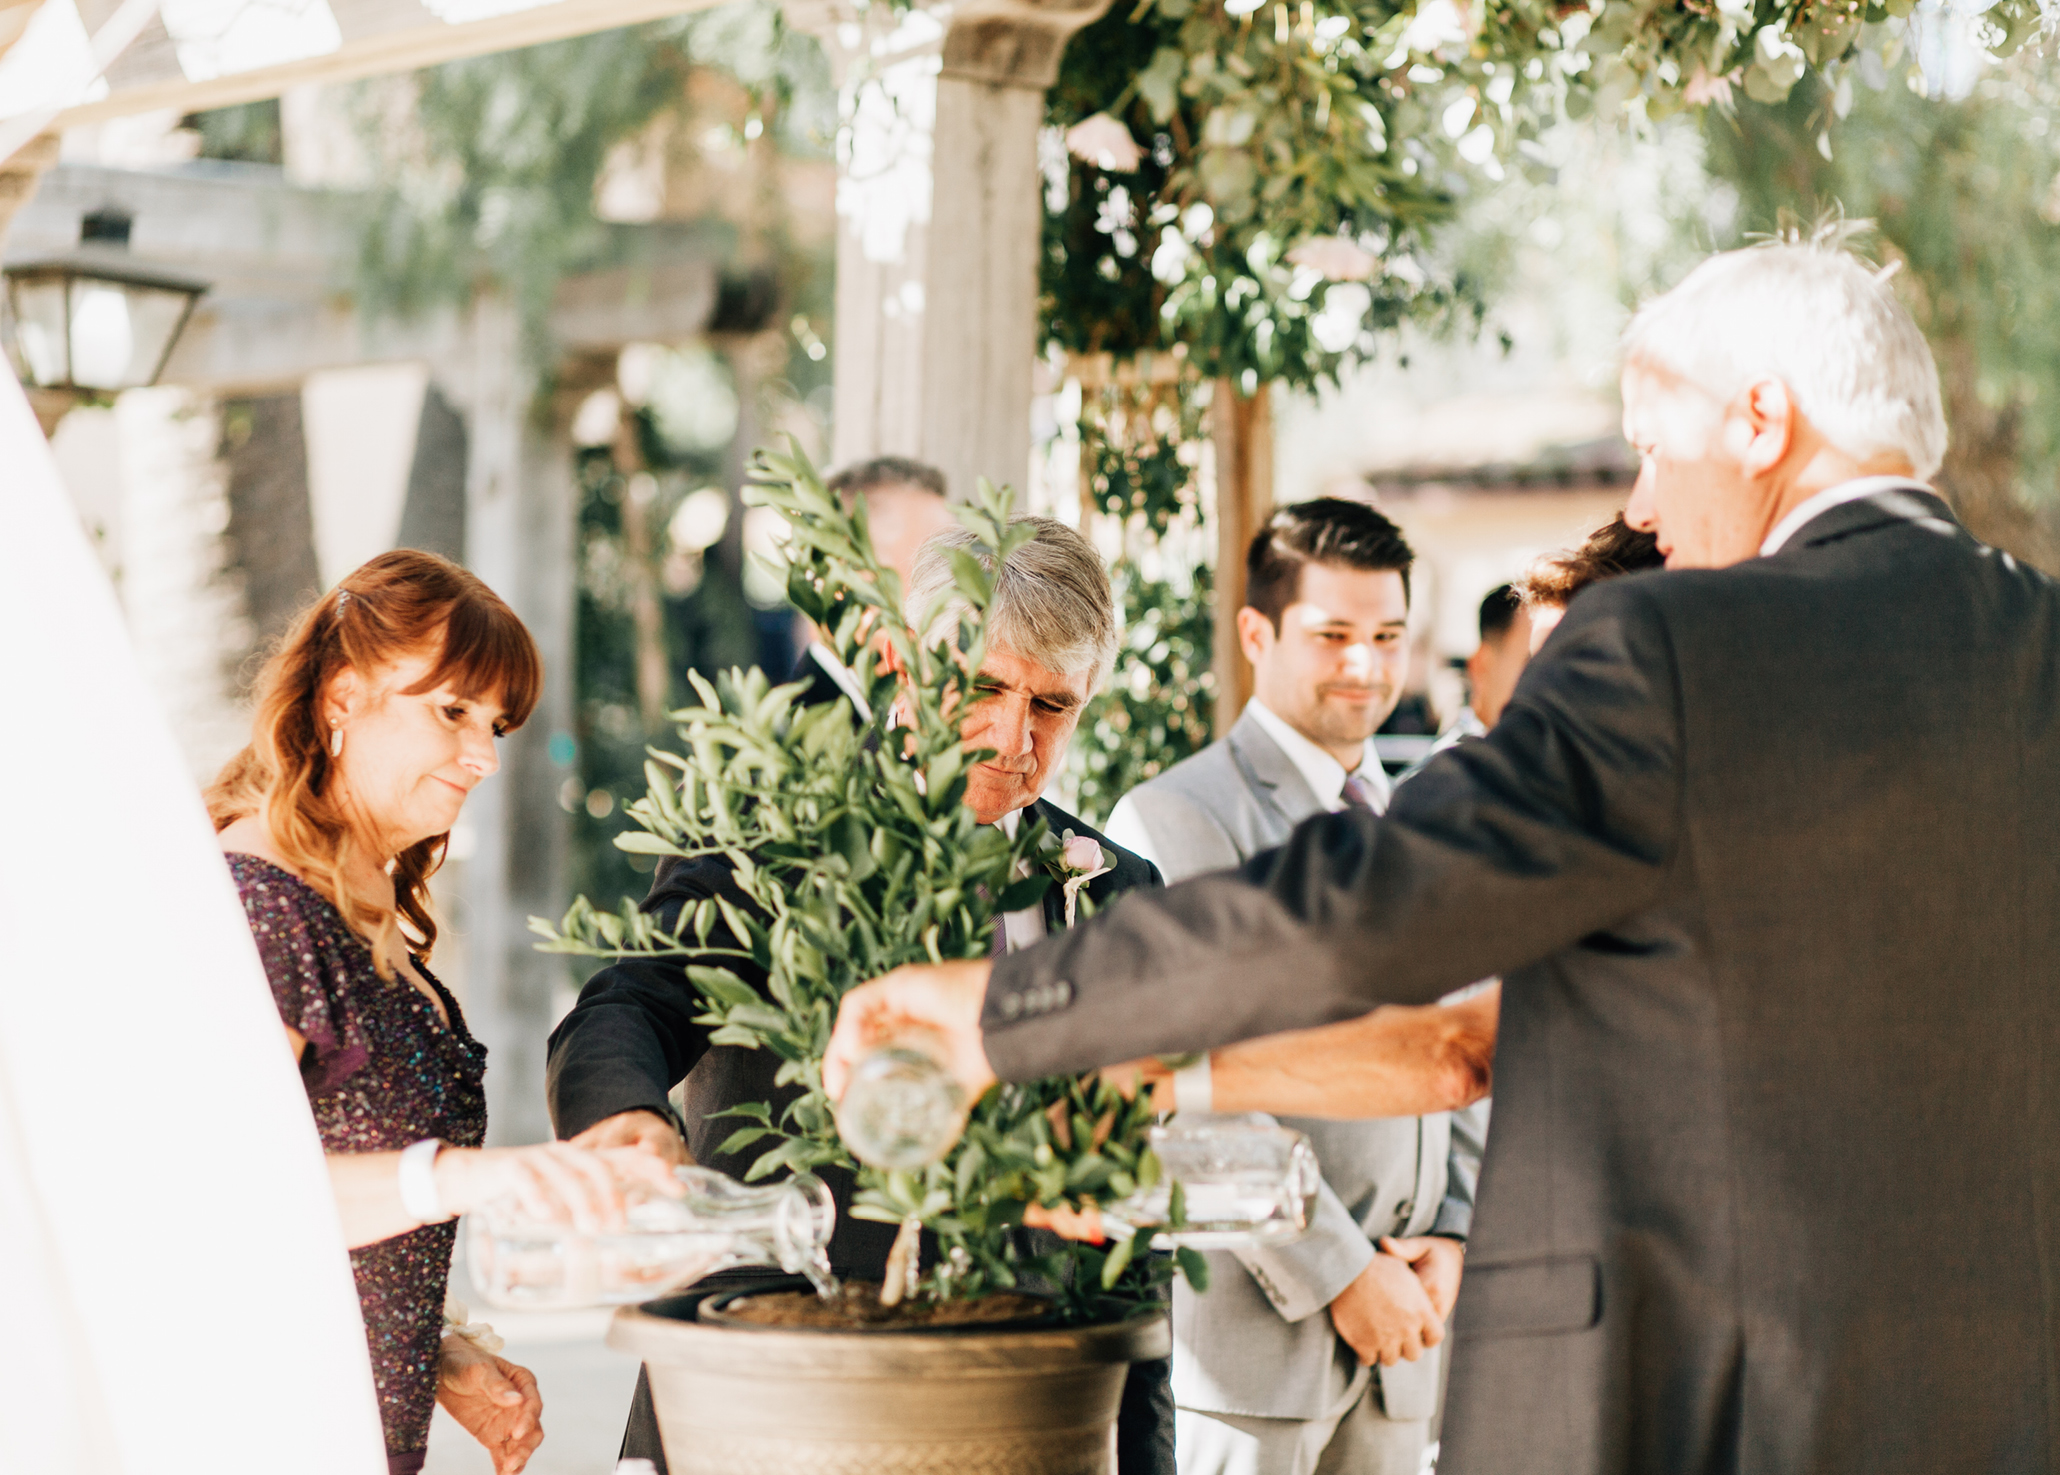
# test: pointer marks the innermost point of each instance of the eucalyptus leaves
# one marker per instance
(855, 848)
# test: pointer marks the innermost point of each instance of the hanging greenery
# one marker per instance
(1962, 195)
(1262, 181)
(486, 168)
(1141, 438)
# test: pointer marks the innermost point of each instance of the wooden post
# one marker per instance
(1243, 437)
(939, 223)
(521, 516)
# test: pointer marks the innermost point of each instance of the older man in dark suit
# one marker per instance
(1765, 850)
(634, 1035)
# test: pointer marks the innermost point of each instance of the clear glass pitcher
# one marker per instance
(1244, 1179)
(665, 1243)
(902, 1108)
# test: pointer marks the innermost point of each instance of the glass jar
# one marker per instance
(902, 1108)
(665, 1243)
(1245, 1181)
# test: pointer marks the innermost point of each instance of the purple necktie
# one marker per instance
(1358, 791)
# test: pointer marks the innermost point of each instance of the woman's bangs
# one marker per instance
(488, 655)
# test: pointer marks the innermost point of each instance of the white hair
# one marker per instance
(1051, 600)
(1821, 321)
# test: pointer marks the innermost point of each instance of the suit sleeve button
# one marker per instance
(1061, 994)
(1011, 1005)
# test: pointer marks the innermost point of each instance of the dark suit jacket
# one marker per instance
(632, 1035)
(1769, 858)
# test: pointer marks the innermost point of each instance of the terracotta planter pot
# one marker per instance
(737, 1400)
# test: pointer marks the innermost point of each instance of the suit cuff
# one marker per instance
(1305, 1276)
(1454, 1221)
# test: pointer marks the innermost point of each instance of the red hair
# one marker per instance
(400, 604)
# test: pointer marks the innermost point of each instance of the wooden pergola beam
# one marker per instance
(379, 54)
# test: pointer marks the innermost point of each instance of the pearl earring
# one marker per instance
(335, 741)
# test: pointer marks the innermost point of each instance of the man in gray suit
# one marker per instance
(1323, 1354)
(1763, 851)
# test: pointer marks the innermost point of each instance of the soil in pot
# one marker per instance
(855, 1307)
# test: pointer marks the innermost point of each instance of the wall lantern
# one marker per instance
(95, 321)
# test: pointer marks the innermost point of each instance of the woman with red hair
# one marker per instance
(376, 717)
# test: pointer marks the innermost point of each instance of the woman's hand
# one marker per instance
(554, 1181)
(495, 1400)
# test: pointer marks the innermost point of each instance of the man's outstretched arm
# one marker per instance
(1559, 823)
(1400, 1060)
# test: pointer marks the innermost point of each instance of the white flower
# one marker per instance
(1336, 258)
(1104, 143)
(1336, 327)
(1438, 23)
(1079, 860)
(1703, 88)
(1082, 854)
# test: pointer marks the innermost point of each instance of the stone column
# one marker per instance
(939, 208)
(520, 517)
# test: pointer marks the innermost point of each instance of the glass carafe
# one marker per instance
(665, 1243)
(1245, 1181)
(902, 1108)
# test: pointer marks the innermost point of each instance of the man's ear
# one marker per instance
(1771, 412)
(1255, 634)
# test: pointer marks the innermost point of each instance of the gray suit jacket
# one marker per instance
(1260, 1341)
(1766, 859)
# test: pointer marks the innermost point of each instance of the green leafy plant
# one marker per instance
(854, 844)
(1141, 438)
(1290, 165)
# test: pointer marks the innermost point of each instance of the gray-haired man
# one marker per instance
(1323, 1354)
(634, 1034)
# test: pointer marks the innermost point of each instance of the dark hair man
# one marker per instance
(1327, 1348)
(1505, 645)
(905, 506)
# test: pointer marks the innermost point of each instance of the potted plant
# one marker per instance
(853, 843)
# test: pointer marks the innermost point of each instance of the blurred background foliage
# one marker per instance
(1449, 160)
(1964, 192)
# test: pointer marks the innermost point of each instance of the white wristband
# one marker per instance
(1192, 1088)
(418, 1181)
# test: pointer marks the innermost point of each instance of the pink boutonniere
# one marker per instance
(1078, 860)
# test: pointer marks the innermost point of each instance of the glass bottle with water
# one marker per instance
(664, 1243)
(1245, 1181)
(902, 1109)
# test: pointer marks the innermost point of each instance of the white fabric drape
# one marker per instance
(174, 1291)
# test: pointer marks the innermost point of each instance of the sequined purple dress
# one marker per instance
(381, 1072)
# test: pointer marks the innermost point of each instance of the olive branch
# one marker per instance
(851, 838)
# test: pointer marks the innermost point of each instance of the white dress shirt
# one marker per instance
(1323, 773)
(1830, 497)
(1026, 926)
(844, 676)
